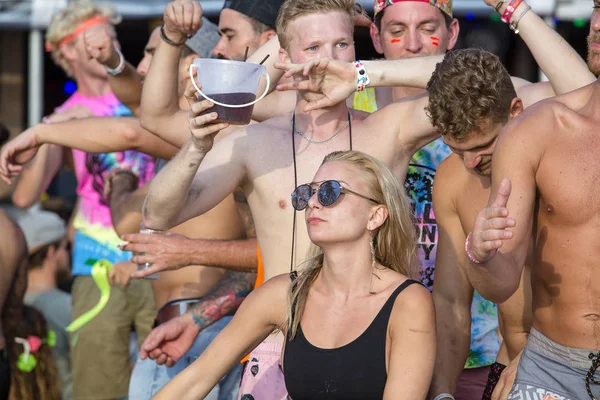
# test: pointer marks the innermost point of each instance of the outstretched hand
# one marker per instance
(169, 341)
(492, 225)
(183, 18)
(202, 127)
(334, 80)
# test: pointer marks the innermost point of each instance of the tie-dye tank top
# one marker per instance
(419, 184)
(95, 236)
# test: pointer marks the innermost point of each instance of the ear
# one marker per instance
(266, 36)
(453, 32)
(284, 57)
(378, 217)
(68, 51)
(516, 107)
(376, 38)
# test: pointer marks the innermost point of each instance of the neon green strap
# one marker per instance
(100, 271)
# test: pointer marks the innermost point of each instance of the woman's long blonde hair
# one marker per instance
(394, 241)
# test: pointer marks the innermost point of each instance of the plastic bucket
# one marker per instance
(231, 86)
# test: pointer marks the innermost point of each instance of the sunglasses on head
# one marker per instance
(328, 193)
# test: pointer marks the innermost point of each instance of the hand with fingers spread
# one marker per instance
(120, 274)
(169, 341)
(202, 127)
(492, 227)
(182, 18)
(335, 80)
(100, 45)
(165, 252)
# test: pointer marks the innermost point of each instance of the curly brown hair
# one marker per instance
(468, 88)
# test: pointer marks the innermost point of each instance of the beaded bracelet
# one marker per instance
(362, 78)
(470, 255)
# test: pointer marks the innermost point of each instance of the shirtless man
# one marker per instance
(545, 170)
(13, 283)
(260, 158)
(462, 186)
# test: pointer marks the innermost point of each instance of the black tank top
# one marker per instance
(354, 371)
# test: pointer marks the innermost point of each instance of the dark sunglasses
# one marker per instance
(328, 193)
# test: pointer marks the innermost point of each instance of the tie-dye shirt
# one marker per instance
(95, 237)
(419, 185)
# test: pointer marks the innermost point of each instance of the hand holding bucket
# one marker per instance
(231, 86)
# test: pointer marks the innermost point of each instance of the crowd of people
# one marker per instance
(413, 227)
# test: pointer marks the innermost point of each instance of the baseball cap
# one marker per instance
(41, 228)
(205, 40)
(263, 11)
(444, 5)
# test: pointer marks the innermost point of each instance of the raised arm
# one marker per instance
(452, 291)
(506, 223)
(198, 178)
(548, 46)
(101, 44)
(412, 350)
(262, 312)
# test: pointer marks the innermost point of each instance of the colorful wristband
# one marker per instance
(510, 9)
(514, 24)
(362, 78)
(468, 251)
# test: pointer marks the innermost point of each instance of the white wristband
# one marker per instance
(444, 396)
(362, 78)
(120, 67)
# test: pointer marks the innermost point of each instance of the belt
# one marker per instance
(174, 309)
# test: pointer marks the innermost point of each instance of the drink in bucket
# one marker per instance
(231, 86)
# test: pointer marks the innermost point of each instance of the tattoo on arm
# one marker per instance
(224, 299)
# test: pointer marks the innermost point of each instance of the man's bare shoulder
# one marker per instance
(537, 121)
(450, 175)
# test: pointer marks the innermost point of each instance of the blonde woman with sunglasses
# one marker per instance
(356, 325)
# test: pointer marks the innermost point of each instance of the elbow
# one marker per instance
(155, 221)
(24, 199)
(497, 294)
(132, 136)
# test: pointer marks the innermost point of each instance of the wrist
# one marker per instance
(113, 60)
(171, 37)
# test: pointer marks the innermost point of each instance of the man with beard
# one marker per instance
(544, 181)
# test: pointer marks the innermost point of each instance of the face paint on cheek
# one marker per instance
(435, 41)
(394, 41)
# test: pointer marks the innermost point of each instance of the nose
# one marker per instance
(413, 43)
(595, 21)
(313, 202)
(220, 49)
(142, 67)
(471, 160)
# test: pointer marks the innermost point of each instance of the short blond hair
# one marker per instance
(66, 21)
(293, 9)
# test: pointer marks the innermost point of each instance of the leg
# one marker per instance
(100, 356)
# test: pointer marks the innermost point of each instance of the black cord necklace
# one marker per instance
(296, 176)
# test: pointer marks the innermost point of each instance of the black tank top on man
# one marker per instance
(356, 370)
